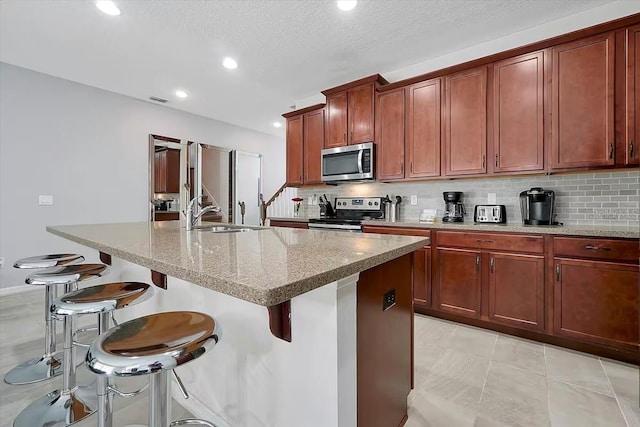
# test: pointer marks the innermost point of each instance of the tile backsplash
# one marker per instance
(593, 198)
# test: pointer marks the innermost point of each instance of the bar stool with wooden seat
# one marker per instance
(153, 345)
(69, 276)
(49, 364)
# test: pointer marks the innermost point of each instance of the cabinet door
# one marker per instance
(390, 134)
(336, 120)
(459, 281)
(516, 290)
(596, 301)
(361, 114)
(294, 150)
(582, 103)
(518, 114)
(156, 173)
(465, 132)
(160, 171)
(422, 277)
(172, 171)
(423, 129)
(313, 125)
(632, 156)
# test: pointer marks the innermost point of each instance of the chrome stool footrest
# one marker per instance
(192, 422)
(126, 394)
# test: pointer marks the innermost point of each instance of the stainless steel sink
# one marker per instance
(223, 228)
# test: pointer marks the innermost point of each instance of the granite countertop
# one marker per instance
(266, 266)
(565, 230)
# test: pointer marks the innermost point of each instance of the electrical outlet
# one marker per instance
(414, 200)
(491, 198)
(45, 200)
(312, 200)
(1, 262)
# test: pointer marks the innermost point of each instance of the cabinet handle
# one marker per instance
(597, 248)
(484, 240)
(477, 262)
(496, 160)
(344, 137)
(484, 160)
(557, 272)
(402, 168)
(493, 261)
(611, 150)
(300, 177)
(411, 166)
(351, 136)
(631, 149)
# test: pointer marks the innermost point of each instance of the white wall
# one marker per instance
(588, 18)
(89, 149)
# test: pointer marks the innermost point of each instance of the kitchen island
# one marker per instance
(317, 325)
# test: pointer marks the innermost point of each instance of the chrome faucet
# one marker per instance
(192, 217)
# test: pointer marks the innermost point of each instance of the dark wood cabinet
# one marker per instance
(336, 120)
(465, 118)
(166, 171)
(389, 135)
(288, 224)
(423, 129)
(516, 290)
(596, 301)
(518, 121)
(313, 142)
(632, 151)
(294, 150)
(459, 278)
(582, 120)
(421, 261)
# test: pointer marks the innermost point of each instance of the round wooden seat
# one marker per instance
(101, 298)
(153, 343)
(65, 274)
(49, 260)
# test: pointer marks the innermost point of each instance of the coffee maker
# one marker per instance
(453, 207)
(538, 206)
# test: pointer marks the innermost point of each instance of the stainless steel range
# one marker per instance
(349, 214)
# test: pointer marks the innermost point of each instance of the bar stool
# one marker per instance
(153, 345)
(49, 364)
(72, 403)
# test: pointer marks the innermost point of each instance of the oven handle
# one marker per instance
(360, 160)
(335, 226)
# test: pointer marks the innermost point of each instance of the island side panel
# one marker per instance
(384, 344)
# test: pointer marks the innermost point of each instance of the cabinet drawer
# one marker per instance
(619, 250)
(493, 241)
(397, 231)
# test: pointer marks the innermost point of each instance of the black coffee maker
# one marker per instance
(537, 206)
(453, 207)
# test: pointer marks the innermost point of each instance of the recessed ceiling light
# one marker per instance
(230, 63)
(277, 124)
(108, 7)
(347, 5)
(181, 94)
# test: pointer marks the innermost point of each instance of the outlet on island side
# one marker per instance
(389, 300)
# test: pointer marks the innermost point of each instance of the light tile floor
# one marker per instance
(464, 376)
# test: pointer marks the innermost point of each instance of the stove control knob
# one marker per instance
(376, 203)
(369, 203)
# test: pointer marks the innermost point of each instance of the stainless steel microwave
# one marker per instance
(350, 163)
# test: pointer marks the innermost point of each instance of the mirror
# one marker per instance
(181, 170)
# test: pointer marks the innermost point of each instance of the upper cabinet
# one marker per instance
(305, 140)
(167, 171)
(390, 134)
(632, 156)
(582, 126)
(518, 121)
(423, 129)
(465, 118)
(350, 112)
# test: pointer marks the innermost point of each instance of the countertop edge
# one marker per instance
(264, 298)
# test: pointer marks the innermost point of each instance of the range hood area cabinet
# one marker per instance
(167, 171)
(350, 112)
(631, 147)
(305, 140)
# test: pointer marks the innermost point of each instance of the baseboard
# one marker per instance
(197, 408)
(18, 290)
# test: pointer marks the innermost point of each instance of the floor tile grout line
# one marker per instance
(615, 395)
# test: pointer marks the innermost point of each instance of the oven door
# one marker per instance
(351, 163)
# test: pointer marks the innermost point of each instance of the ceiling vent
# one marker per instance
(160, 100)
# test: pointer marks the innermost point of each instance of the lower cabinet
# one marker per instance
(458, 279)
(288, 224)
(516, 290)
(596, 301)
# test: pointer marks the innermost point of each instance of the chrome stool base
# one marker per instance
(58, 409)
(36, 370)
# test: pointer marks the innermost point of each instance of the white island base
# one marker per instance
(253, 379)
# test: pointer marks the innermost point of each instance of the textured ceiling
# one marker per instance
(286, 50)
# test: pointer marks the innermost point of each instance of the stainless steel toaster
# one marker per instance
(490, 214)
